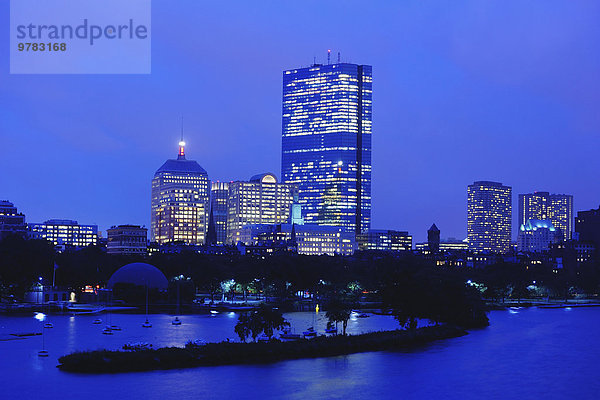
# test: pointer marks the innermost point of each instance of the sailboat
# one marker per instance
(331, 328)
(147, 323)
(311, 332)
(177, 321)
(43, 352)
(109, 326)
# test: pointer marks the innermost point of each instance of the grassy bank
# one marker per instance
(224, 353)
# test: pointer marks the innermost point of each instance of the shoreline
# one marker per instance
(229, 353)
(527, 303)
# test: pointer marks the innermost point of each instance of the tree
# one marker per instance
(242, 328)
(270, 319)
(339, 310)
(264, 319)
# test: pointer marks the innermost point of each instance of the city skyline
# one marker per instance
(446, 103)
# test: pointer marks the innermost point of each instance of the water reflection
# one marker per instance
(531, 354)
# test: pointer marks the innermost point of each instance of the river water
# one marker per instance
(524, 354)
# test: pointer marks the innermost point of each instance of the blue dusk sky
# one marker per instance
(503, 90)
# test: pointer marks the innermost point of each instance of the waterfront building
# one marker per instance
(557, 208)
(180, 201)
(326, 142)
(261, 200)
(537, 236)
(12, 222)
(44, 294)
(489, 217)
(587, 226)
(384, 240)
(219, 195)
(128, 240)
(65, 233)
(308, 239)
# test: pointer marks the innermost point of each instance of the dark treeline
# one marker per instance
(409, 279)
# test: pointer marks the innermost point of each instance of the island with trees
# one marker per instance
(408, 302)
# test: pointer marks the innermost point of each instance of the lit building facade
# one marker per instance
(11, 221)
(536, 236)
(557, 208)
(326, 142)
(65, 233)
(219, 195)
(449, 245)
(128, 240)
(384, 240)
(489, 217)
(309, 239)
(180, 201)
(261, 200)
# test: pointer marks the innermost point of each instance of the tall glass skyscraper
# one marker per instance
(557, 208)
(489, 217)
(180, 200)
(326, 143)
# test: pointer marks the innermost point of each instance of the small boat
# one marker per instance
(310, 332)
(43, 353)
(286, 334)
(330, 328)
(136, 346)
(147, 324)
(176, 321)
(48, 325)
(196, 343)
(263, 338)
(24, 334)
(358, 314)
(97, 321)
(115, 328)
(107, 331)
(90, 310)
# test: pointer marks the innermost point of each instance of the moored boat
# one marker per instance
(310, 332)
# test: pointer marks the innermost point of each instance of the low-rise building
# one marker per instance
(65, 233)
(308, 239)
(128, 240)
(447, 245)
(537, 236)
(12, 222)
(384, 240)
(587, 227)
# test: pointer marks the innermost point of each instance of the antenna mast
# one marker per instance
(181, 155)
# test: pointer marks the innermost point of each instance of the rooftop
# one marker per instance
(182, 166)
